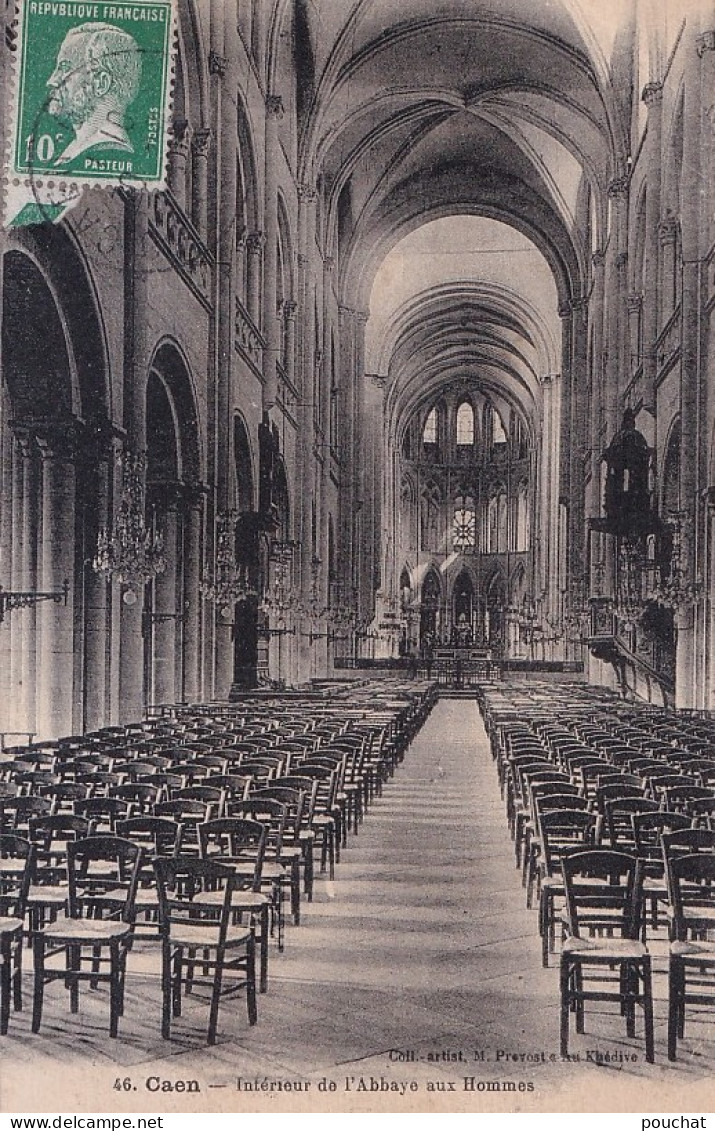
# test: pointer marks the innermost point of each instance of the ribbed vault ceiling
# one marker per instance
(501, 109)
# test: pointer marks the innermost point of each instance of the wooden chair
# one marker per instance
(188, 928)
(154, 836)
(241, 843)
(102, 876)
(49, 890)
(561, 831)
(602, 957)
(691, 882)
(16, 863)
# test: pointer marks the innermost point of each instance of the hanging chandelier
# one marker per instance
(132, 553)
(631, 568)
(675, 591)
(231, 581)
(577, 620)
(280, 598)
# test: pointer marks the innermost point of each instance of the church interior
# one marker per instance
(384, 431)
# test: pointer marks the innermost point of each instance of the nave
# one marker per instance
(422, 944)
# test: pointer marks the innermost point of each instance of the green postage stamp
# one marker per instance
(92, 99)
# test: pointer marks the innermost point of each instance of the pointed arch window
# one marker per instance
(429, 433)
(464, 525)
(465, 425)
(498, 433)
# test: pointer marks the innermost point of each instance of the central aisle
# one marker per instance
(426, 945)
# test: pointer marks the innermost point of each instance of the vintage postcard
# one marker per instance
(357, 712)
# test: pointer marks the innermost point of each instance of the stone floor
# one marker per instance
(414, 984)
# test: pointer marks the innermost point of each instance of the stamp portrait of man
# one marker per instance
(97, 76)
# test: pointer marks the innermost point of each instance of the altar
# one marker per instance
(460, 667)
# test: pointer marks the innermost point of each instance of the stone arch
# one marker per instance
(170, 366)
(62, 270)
(174, 509)
(54, 439)
(464, 591)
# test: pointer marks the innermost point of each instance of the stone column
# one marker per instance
(29, 568)
(17, 578)
(361, 464)
(653, 98)
(255, 242)
(97, 616)
(271, 323)
(227, 79)
(635, 305)
(193, 513)
(596, 306)
(667, 233)
(692, 433)
(566, 316)
(6, 541)
(199, 180)
(56, 630)
(131, 657)
(618, 369)
(304, 379)
(347, 512)
(164, 615)
(176, 164)
(289, 313)
(578, 433)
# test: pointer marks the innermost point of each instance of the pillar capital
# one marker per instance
(705, 42)
(64, 440)
(217, 64)
(635, 301)
(290, 309)
(200, 142)
(618, 188)
(652, 94)
(255, 242)
(565, 309)
(621, 260)
(274, 106)
(179, 136)
(598, 258)
(667, 230)
(329, 263)
(54, 446)
(307, 193)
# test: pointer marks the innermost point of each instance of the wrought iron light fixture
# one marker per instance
(231, 580)
(24, 600)
(132, 553)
